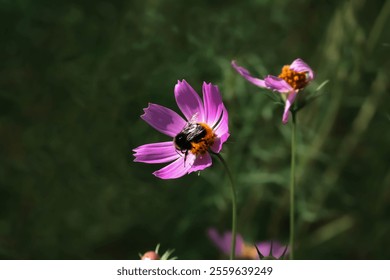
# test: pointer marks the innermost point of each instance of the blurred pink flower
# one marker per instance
(294, 77)
(245, 250)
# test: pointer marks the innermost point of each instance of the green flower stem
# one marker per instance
(234, 207)
(292, 185)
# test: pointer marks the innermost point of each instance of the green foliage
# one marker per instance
(75, 76)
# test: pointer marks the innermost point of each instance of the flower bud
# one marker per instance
(150, 255)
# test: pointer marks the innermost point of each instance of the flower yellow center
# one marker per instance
(297, 80)
(249, 252)
(201, 146)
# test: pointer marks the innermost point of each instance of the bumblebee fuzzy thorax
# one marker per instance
(196, 138)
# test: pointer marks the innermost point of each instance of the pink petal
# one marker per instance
(222, 127)
(277, 84)
(264, 248)
(218, 240)
(176, 169)
(223, 242)
(300, 66)
(245, 73)
(189, 101)
(289, 101)
(163, 119)
(201, 162)
(278, 249)
(212, 103)
(156, 153)
(224, 137)
(217, 146)
(218, 118)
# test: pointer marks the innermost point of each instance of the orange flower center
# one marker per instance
(202, 145)
(297, 80)
(249, 252)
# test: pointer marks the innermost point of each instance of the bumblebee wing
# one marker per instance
(194, 132)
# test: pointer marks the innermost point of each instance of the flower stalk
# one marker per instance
(292, 184)
(234, 206)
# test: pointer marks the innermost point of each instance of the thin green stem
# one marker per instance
(234, 207)
(292, 185)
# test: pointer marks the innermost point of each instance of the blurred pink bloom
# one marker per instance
(294, 77)
(245, 250)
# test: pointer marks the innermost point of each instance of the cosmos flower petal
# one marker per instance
(218, 240)
(156, 153)
(223, 242)
(264, 248)
(278, 249)
(299, 65)
(189, 101)
(224, 137)
(277, 84)
(217, 146)
(163, 119)
(218, 143)
(245, 73)
(212, 103)
(289, 101)
(222, 127)
(176, 169)
(201, 162)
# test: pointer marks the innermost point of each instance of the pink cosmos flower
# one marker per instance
(204, 128)
(294, 77)
(245, 250)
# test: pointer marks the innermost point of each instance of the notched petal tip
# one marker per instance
(241, 70)
(207, 84)
(247, 75)
(182, 81)
(180, 84)
(234, 63)
(163, 119)
(145, 110)
(212, 101)
(188, 101)
(160, 152)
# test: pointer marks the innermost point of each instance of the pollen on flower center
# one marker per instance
(296, 80)
(202, 145)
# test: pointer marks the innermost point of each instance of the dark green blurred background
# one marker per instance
(75, 76)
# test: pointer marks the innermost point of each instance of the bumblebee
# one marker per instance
(195, 138)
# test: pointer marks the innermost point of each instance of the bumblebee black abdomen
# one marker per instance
(181, 142)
